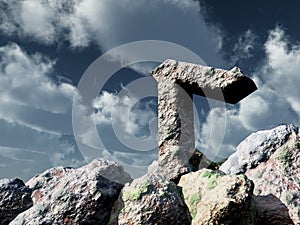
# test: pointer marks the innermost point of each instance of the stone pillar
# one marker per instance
(177, 82)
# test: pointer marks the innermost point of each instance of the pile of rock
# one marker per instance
(259, 184)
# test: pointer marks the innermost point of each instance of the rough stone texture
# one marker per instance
(75, 196)
(197, 161)
(271, 158)
(150, 200)
(270, 210)
(14, 199)
(277, 185)
(205, 80)
(215, 198)
(257, 148)
(177, 81)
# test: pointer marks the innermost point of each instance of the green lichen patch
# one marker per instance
(296, 145)
(171, 187)
(257, 191)
(208, 173)
(137, 193)
(290, 197)
(193, 212)
(259, 174)
(211, 184)
(285, 157)
(193, 200)
(212, 177)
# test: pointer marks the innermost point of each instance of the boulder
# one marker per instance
(277, 185)
(257, 148)
(15, 198)
(151, 199)
(75, 196)
(259, 184)
(215, 198)
(270, 210)
(271, 159)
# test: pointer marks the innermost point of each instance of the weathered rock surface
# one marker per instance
(95, 193)
(197, 161)
(271, 158)
(277, 184)
(257, 148)
(15, 198)
(270, 210)
(215, 198)
(204, 80)
(149, 200)
(74, 196)
(177, 81)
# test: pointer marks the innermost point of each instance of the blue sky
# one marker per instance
(46, 46)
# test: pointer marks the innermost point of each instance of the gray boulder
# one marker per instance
(271, 159)
(270, 210)
(257, 148)
(215, 198)
(75, 196)
(14, 199)
(277, 185)
(151, 199)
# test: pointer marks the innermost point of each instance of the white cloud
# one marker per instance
(214, 140)
(122, 132)
(275, 102)
(245, 46)
(35, 20)
(27, 93)
(283, 67)
(110, 23)
(119, 110)
(35, 112)
(277, 99)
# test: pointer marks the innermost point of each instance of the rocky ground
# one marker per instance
(258, 184)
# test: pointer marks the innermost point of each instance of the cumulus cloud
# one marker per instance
(124, 123)
(110, 23)
(245, 46)
(35, 115)
(37, 20)
(275, 102)
(219, 134)
(118, 127)
(28, 94)
(283, 67)
(126, 111)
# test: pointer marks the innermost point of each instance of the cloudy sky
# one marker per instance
(46, 47)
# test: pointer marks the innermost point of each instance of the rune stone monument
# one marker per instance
(177, 82)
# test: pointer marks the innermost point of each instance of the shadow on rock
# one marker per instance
(270, 210)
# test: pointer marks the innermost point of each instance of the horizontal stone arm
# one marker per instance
(206, 81)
